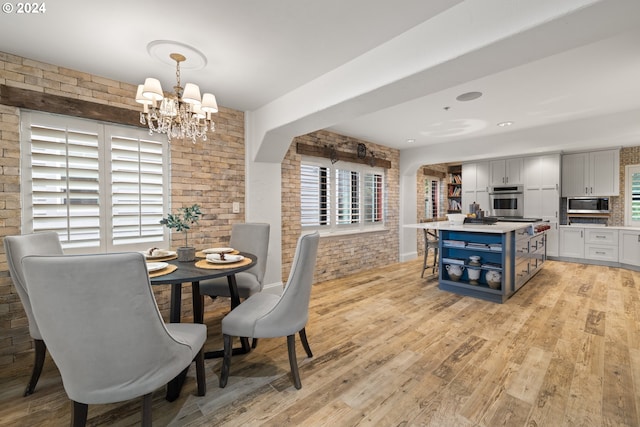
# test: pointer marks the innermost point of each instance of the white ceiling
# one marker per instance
(584, 67)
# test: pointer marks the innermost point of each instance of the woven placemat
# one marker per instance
(203, 263)
(168, 269)
(201, 254)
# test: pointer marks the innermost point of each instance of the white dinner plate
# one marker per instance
(217, 250)
(160, 254)
(228, 259)
(155, 266)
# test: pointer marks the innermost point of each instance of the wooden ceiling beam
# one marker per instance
(40, 101)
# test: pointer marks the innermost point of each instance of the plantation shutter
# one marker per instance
(635, 195)
(136, 189)
(347, 203)
(101, 187)
(65, 184)
(372, 197)
(314, 195)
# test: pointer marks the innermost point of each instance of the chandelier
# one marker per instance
(183, 114)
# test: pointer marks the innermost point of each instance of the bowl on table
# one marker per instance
(456, 219)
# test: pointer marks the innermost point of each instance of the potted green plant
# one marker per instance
(182, 222)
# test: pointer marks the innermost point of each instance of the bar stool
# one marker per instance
(431, 241)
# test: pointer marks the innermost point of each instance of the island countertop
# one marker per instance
(496, 228)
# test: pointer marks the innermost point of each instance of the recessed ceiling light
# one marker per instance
(411, 140)
(469, 96)
(505, 124)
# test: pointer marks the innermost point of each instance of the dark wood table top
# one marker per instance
(187, 272)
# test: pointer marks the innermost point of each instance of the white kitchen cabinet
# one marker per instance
(595, 173)
(601, 244)
(629, 247)
(541, 182)
(597, 243)
(542, 187)
(475, 185)
(506, 172)
(572, 242)
(553, 239)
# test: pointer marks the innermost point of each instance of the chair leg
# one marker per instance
(146, 410)
(305, 343)
(79, 414)
(226, 361)
(200, 375)
(293, 361)
(254, 342)
(424, 261)
(435, 260)
(40, 353)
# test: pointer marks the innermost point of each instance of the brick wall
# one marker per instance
(210, 174)
(340, 255)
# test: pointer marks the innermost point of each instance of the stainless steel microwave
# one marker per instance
(587, 205)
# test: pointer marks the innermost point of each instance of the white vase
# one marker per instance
(455, 271)
(474, 275)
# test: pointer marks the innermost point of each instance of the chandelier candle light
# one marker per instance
(183, 114)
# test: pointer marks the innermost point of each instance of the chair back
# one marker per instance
(17, 247)
(291, 312)
(252, 238)
(99, 318)
(431, 239)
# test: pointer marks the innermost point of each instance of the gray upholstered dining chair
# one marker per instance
(245, 237)
(17, 247)
(101, 323)
(266, 315)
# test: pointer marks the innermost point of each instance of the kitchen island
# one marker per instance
(509, 255)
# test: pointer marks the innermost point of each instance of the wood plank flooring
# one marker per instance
(392, 349)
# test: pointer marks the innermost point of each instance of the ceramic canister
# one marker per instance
(474, 275)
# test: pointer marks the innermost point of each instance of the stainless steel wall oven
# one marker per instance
(507, 200)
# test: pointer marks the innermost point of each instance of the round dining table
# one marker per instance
(188, 272)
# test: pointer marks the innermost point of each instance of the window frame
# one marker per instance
(104, 132)
(361, 225)
(628, 211)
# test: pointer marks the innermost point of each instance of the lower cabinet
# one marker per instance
(601, 244)
(572, 242)
(598, 244)
(629, 247)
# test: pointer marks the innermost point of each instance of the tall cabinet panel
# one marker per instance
(475, 185)
(542, 194)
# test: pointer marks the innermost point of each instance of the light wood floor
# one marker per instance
(391, 349)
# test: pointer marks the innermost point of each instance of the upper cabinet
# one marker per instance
(595, 173)
(506, 171)
(475, 185)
